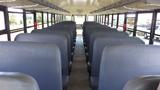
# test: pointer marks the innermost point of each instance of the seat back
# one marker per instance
(147, 82)
(95, 35)
(102, 42)
(122, 63)
(59, 40)
(61, 33)
(42, 61)
(17, 81)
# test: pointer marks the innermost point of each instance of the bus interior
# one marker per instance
(79, 44)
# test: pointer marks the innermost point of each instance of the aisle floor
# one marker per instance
(79, 79)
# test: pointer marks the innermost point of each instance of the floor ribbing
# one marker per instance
(79, 79)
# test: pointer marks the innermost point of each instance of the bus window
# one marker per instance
(106, 20)
(4, 37)
(144, 26)
(90, 18)
(157, 31)
(121, 22)
(110, 20)
(49, 16)
(130, 23)
(2, 22)
(45, 19)
(30, 19)
(39, 20)
(79, 19)
(15, 20)
(53, 19)
(2, 27)
(30, 22)
(114, 21)
(68, 18)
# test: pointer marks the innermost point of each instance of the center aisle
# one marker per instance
(79, 79)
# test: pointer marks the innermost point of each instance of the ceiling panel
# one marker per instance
(136, 5)
(82, 6)
(28, 5)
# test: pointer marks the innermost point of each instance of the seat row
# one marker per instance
(113, 57)
(19, 81)
(44, 54)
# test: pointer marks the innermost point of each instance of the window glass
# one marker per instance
(144, 26)
(157, 31)
(110, 20)
(15, 20)
(39, 20)
(30, 19)
(79, 19)
(49, 16)
(121, 22)
(103, 20)
(45, 19)
(144, 22)
(130, 21)
(53, 18)
(14, 10)
(2, 22)
(106, 20)
(4, 37)
(114, 21)
(99, 19)
(56, 18)
(90, 18)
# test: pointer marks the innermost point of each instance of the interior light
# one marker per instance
(43, 8)
(153, 4)
(25, 6)
(134, 8)
(4, 1)
(79, 1)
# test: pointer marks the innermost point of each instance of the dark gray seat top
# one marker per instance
(102, 42)
(17, 81)
(70, 44)
(146, 82)
(59, 40)
(122, 63)
(41, 61)
(95, 35)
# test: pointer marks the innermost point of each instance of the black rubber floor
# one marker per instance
(79, 79)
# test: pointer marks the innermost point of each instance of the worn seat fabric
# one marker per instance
(17, 81)
(146, 82)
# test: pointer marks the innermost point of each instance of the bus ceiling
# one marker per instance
(84, 7)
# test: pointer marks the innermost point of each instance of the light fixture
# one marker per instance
(43, 8)
(79, 1)
(153, 5)
(7, 1)
(135, 9)
(25, 6)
